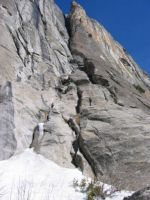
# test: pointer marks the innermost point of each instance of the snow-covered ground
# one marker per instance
(30, 176)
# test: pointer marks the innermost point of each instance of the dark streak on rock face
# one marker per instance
(7, 141)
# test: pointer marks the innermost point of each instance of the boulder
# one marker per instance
(143, 194)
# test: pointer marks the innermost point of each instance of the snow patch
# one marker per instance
(41, 131)
(30, 176)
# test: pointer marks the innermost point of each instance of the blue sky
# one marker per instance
(127, 20)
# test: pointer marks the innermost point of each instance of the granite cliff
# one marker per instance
(69, 74)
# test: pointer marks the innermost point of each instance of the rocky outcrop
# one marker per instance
(55, 140)
(143, 194)
(70, 77)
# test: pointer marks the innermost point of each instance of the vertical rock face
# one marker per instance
(113, 106)
(34, 56)
(89, 94)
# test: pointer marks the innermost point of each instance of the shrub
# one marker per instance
(75, 183)
(93, 189)
(83, 185)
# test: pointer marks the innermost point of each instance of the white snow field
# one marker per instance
(30, 176)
